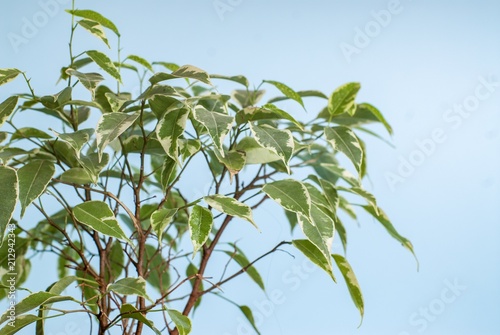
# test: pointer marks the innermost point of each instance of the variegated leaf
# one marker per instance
(342, 99)
(290, 194)
(344, 140)
(218, 125)
(200, 226)
(278, 141)
(170, 128)
(230, 206)
(110, 126)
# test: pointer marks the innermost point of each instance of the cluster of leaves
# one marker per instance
(110, 197)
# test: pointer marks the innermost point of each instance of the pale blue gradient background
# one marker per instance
(426, 60)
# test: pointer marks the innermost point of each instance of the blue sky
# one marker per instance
(431, 67)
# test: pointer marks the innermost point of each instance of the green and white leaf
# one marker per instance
(230, 206)
(21, 322)
(255, 154)
(95, 29)
(200, 226)
(9, 189)
(160, 219)
(233, 160)
(77, 139)
(287, 91)
(352, 283)
(266, 112)
(104, 63)
(290, 194)
(363, 193)
(33, 180)
(141, 61)
(7, 75)
(314, 255)
(170, 128)
(77, 175)
(192, 72)
(278, 141)
(344, 140)
(343, 98)
(218, 125)
(130, 286)
(128, 311)
(98, 216)
(112, 125)
(7, 107)
(94, 16)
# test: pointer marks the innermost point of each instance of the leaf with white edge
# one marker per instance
(28, 132)
(21, 322)
(246, 98)
(7, 75)
(255, 154)
(89, 80)
(266, 112)
(237, 79)
(342, 99)
(33, 301)
(94, 16)
(200, 226)
(167, 65)
(384, 220)
(116, 102)
(233, 160)
(363, 193)
(9, 189)
(181, 321)
(342, 232)
(168, 172)
(130, 286)
(77, 139)
(287, 91)
(141, 61)
(344, 140)
(278, 141)
(303, 94)
(128, 311)
(314, 255)
(94, 165)
(192, 72)
(110, 126)
(95, 29)
(243, 261)
(230, 206)
(104, 63)
(33, 179)
(170, 128)
(98, 216)
(352, 283)
(331, 194)
(160, 219)
(290, 194)
(76, 175)
(319, 229)
(218, 125)
(342, 173)
(7, 107)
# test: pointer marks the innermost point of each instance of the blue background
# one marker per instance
(429, 57)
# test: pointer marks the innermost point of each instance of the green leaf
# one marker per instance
(266, 112)
(341, 173)
(331, 194)
(352, 283)
(33, 179)
(247, 98)
(141, 61)
(375, 112)
(200, 226)
(89, 80)
(255, 154)
(94, 16)
(9, 189)
(344, 140)
(363, 193)
(314, 255)
(233, 160)
(230, 206)
(218, 125)
(7, 107)
(342, 99)
(167, 65)
(384, 220)
(76, 175)
(34, 300)
(287, 91)
(303, 94)
(116, 102)
(290, 194)
(94, 165)
(365, 113)
(243, 261)
(170, 128)
(7, 75)
(77, 139)
(128, 311)
(130, 286)
(182, 322)
(319, 229)
(278, 141)
(160, 219)
(110, 126)
(98, 216)
(249, 316)
(168, 172)
(105, 63)
(237, 79)
(95, 29)
(28, 132)
(21, 322)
